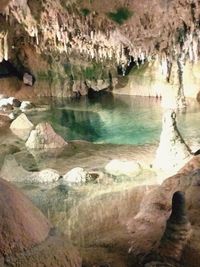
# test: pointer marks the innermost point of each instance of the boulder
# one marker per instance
(76, 176)
(9, 103)
(130, 168)
(16, 103)
(26, 236)
(25, 105)
(28, 79)
(47, 176)
(22, 226)
(172, 153)
(21, 126)
(44, 137)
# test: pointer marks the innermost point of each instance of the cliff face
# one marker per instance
(67, 45)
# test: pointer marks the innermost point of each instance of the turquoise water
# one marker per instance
(115, 120)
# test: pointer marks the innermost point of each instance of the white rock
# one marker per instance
(21, 126)
(76, 176)
(4, 102)
(25, 105)
(11, 116)
(116, 167)
(45, 176)
(44, 137)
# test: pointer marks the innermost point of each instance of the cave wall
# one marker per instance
(70, 46)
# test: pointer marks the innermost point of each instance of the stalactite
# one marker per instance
(181, 101)
(5, 46)
(1, 49)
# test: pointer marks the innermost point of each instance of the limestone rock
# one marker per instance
(76, 176)
(26, 236)
(98, 85)
(178, 230)
(123, 168)
(44, 137)
(47, 176)
(172, 152)
(21, 126)
(79, 88)
(175, 237)
(22, 226)
(28, 79)
(25, 105)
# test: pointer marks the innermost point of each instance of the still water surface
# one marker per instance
(116, 119)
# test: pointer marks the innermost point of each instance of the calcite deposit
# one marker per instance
(173, 152)
(67, 46)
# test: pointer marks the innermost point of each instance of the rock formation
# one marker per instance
(44, 137)
(178, 230)
(76, 176)
(65, 43)
(26, 236)
(21, 126)
(22, 225)
(172, 153)
(175, 237)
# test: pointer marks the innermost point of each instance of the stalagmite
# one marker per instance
(181, 101)
(172, 152)
(175, 237)
(178, 230)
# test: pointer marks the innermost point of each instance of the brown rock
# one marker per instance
(22, 226)
(178, 230)
(44, 137)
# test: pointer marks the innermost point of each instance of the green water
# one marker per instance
(115, 120)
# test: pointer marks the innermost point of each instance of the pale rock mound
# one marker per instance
(47, 176)
(172, 153)
(44, 137)
(21, 126)
(76, 176)
(123, 168)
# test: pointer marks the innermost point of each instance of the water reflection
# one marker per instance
(115, 119)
